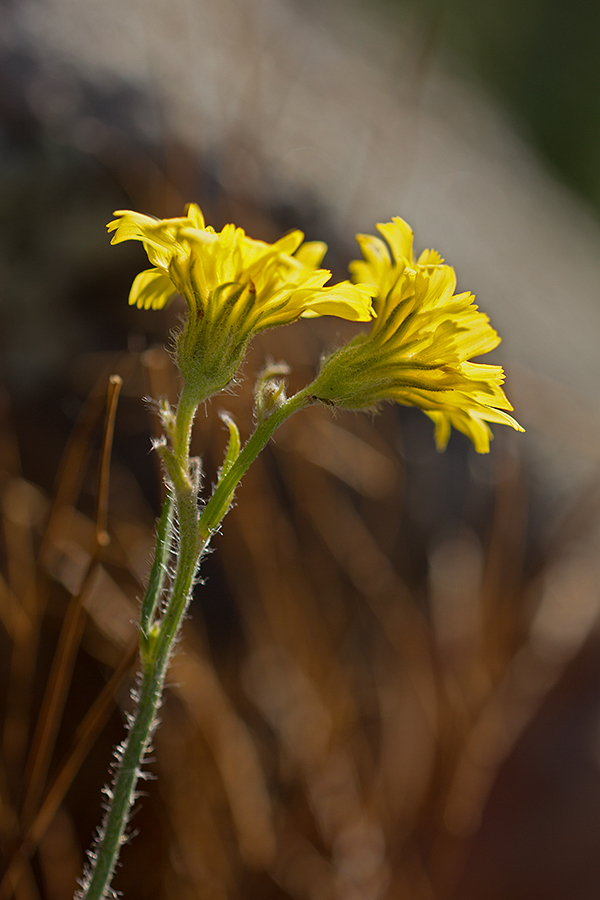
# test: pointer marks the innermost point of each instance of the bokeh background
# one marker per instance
(389, 681)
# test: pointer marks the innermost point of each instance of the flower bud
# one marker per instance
(269, 391)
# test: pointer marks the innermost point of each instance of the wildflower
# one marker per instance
(234, 287)
(420, 344)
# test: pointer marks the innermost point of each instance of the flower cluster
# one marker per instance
(234, 287)
(417, 352)
(418, 349)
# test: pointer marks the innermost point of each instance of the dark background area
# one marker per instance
(397, 613)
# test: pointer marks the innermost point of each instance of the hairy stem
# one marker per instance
(155, 659)
(158, 572)
(158, 638)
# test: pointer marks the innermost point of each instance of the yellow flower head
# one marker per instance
(234, 287)
(419, 347)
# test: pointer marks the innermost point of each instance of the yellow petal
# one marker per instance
(399, 236)
(346, 300)
(289, 243)
(311, 253)
(430, 258)
(194, 214)
(151, 289)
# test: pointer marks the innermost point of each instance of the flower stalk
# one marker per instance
(159, 629)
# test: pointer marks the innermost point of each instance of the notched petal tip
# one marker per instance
(399, 236)
(194, 214)
(151, 289)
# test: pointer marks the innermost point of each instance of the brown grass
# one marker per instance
(350, 680)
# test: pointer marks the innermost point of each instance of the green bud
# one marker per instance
(269, 391)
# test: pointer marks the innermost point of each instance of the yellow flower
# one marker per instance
(280, 282)
(419, 347)
(234, 287)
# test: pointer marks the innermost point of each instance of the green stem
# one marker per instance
(158, 572)
(182, 433)
(156, 648)
(105, 855)
(218, 504)
(155, 660)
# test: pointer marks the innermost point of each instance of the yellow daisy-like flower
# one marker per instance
(234, 287)
(419, 347)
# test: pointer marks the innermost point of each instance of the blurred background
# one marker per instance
(389, 682)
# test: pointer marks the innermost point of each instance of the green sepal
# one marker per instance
(233, 447)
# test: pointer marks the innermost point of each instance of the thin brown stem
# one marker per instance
(60, 677)
(115, 382)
